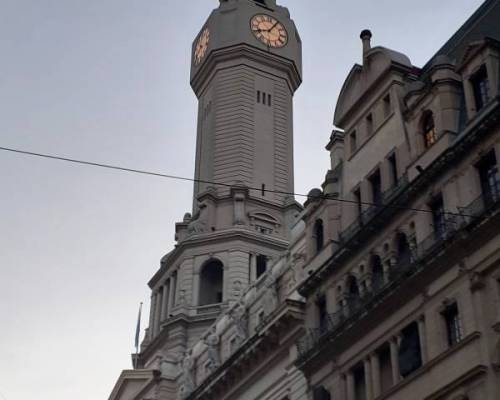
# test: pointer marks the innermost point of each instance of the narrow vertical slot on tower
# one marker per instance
(269, 100)
(258, 96)
(263, 190)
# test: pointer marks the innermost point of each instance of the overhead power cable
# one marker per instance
(183, 178)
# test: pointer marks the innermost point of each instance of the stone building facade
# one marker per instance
(386, 283)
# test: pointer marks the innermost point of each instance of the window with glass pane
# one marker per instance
(429, 129)
(489, 177)
(438, 216)
(481, 87)
(376, 185)
(453, 325)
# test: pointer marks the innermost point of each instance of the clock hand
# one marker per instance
(272, 27)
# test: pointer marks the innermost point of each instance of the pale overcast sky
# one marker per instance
(108, 81)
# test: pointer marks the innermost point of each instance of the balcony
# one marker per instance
(483, 205)
(339, 322)
(355, 309)
(368, 215)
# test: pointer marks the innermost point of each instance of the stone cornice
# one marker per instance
(276, 329)
(149, 376)
(245, 52)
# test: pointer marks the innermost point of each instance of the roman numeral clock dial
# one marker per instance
(201, 46)
(269, 30)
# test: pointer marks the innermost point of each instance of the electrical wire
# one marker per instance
(182, 178)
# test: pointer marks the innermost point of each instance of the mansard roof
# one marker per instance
(483, 23)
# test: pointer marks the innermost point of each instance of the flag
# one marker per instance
(138, 328)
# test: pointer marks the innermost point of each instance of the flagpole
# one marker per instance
(137, 334)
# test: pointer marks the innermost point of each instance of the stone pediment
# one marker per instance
(134, 384)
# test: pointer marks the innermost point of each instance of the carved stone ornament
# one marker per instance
(239, 316)
(187, 382)
(270, 297)
(237, 290)
(476, 281)
(212, 342)
(199, 222)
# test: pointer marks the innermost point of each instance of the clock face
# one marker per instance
(201, 46)
(269, 30)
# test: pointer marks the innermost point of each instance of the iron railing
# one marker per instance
(367, 215)
(357, 307)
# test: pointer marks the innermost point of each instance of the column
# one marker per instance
(350, 386)
(394, 360)
(152, 315)
(423, 338)
(164, 304)
(157, 312)
(376, 375)
(470, 100)
(368, 379)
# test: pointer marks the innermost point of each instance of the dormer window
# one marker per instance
(429, 129)
(481, 87)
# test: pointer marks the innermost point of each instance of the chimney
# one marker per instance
(366, 37)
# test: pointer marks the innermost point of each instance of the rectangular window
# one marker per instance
(387, 105)
(481, 87)
(409, 354)
(376, 186)
(453, 325)
(261, 265)
(359, 383)
(353, 141)
(269, 100)
(322, 313)
(369, 124)
(489, 178)
(258, 96)
(438, 216)
(393, 168)
(357, 201)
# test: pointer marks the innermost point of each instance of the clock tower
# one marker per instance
(246, 66)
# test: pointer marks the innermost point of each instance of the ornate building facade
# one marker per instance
(386, 283)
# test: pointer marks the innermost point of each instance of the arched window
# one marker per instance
(404, 251)
(319, 235)
(211, 278)
(428, 129)
(377, 272)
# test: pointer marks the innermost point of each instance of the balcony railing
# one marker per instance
(356, 308)
(483, 204)
(368, 214)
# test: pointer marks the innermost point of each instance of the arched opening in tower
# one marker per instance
(211, 278)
